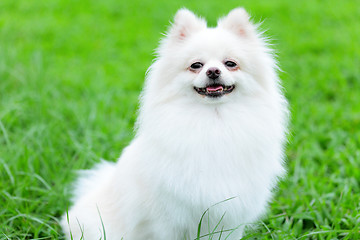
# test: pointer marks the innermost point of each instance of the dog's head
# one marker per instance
(212, 64)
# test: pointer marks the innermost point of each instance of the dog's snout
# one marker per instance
(213, 73)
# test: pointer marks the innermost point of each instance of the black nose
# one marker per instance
(213, 73)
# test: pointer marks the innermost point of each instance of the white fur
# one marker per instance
(190, 151)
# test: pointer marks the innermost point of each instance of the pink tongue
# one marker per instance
(214, 88)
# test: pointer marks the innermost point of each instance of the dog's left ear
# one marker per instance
(185, 24)
(238, 22)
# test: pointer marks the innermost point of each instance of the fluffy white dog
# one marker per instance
(210, 134)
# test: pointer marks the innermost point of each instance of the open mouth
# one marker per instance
(215, 90)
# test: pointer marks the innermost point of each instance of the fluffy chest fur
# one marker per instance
(208, 154)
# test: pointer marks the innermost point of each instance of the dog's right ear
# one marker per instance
(185, 24)
(238, 22)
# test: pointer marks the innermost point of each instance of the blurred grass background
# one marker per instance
(70, 77)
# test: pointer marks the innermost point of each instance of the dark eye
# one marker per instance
(196, 65)
(230, 64)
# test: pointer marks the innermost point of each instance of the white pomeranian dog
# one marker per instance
(209, 141)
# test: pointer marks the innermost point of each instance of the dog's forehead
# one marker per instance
(213, 43)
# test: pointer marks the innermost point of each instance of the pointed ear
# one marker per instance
(185, 24)
(238, 22)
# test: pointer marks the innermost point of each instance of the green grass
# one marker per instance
(71, 73)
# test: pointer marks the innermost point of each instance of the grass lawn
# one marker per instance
(71, 73)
